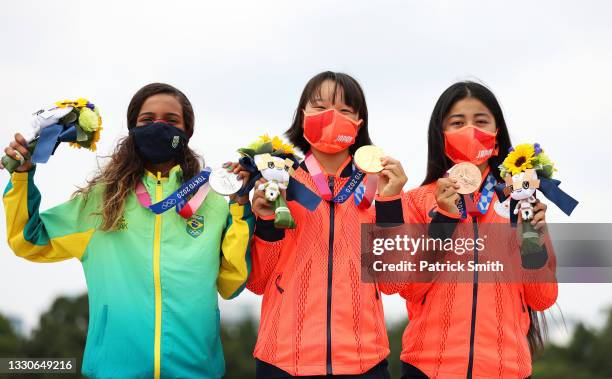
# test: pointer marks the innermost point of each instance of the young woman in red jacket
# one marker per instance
(318, 318)
(472, 328)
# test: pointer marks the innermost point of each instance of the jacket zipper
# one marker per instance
(474, 304)
(330, 267)
(157, 282)
(277, 281)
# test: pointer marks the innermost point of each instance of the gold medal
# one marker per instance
(367, 159)
(467, 175)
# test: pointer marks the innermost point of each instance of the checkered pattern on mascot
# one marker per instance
(277, 172)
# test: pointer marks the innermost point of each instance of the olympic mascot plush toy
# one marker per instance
(273, 160)
(76, 122)
(277, 173)
(526, 169)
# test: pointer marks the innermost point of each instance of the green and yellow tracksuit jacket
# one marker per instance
(152, 283)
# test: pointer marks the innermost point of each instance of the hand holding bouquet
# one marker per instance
(76, 122)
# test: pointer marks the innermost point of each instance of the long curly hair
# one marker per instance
(125, 169)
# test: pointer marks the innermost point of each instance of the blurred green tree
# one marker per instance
(395, 332)
(588, 355)
(238, 344)
(63, 329)
(11, 343)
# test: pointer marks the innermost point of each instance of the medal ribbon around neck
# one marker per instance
(467, 206)
(198, 186)
(363, 200)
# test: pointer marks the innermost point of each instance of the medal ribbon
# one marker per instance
(467, 206)
(488, 190)
(321, 183)
(198, 185)
(550, 189)
(364, 195)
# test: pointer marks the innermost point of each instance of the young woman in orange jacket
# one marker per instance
(318, 318)
(472, 328)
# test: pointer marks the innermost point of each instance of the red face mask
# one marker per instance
(470, 144)
(330, 131)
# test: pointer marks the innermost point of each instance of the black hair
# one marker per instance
(352, 95)
(437, 161)
(438, 164)
(155, 89)
(126, 167)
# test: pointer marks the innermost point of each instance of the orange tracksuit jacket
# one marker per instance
(317, 316)
(471, 329)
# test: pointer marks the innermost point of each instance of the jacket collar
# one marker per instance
(174, 178)
(345, 170)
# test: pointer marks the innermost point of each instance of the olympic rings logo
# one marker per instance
(341, 198)
(168, 203)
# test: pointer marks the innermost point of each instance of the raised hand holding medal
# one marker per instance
(368, 159)
(467, 176)
(462, 179)
(230, 179)
(384, 171)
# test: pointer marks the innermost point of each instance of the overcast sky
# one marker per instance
(243, 65)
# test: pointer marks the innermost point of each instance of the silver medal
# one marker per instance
(223, 182)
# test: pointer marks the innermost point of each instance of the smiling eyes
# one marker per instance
(346, 111)
(458, 123)
(149, 120)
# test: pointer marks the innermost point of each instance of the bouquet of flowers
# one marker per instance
(526, 169)
(273, 160)
(527, 156)
(77, 122)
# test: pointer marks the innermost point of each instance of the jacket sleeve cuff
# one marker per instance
(266, 231)
(442, 212)
(389, 210)
(240, 210)
(388, 198)
(442, 226)
(17, 176)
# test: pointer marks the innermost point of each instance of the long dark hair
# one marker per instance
(352, 95)
(437, 161)
(125, 168)
(537, 333)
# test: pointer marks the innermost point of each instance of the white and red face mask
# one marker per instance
(470, 144)
(330, 131)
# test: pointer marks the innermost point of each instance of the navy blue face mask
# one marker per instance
(159, 142)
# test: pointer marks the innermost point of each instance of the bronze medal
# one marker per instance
(467, 175)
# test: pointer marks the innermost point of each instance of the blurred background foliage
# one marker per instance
(62, 331)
